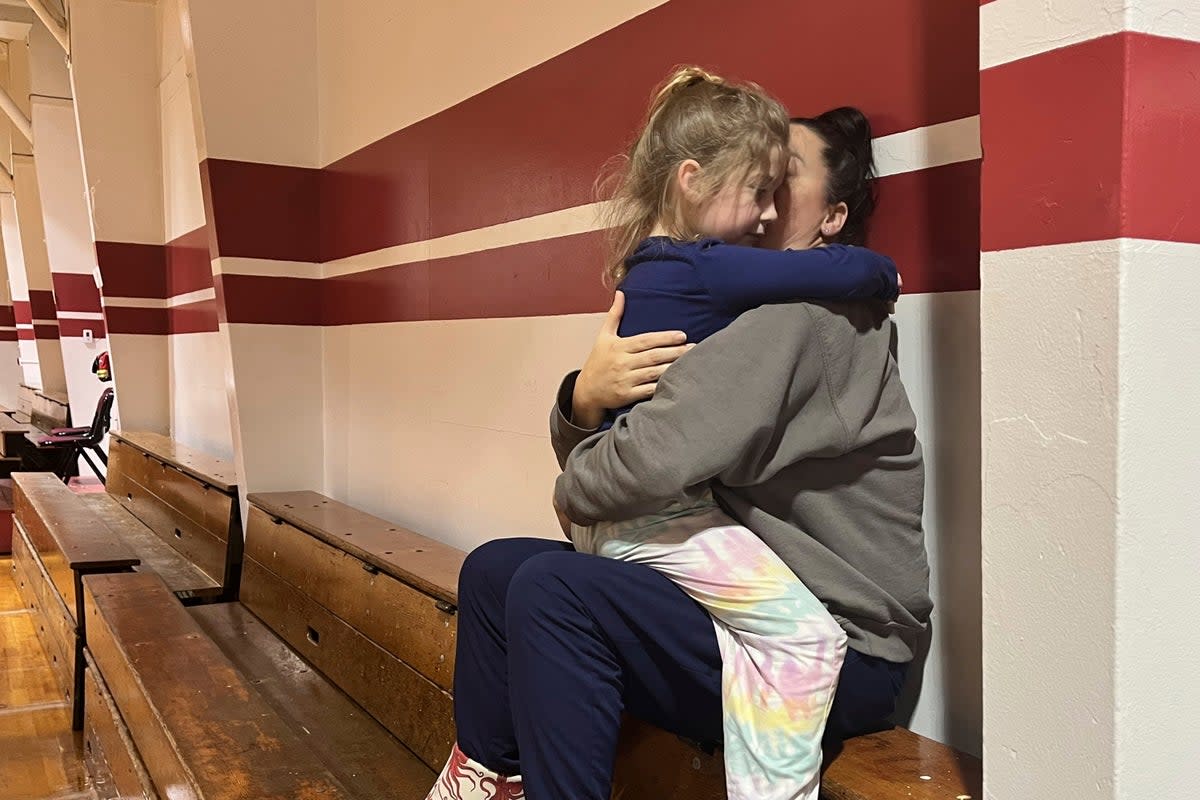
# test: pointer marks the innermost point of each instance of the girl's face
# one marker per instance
(741, 208)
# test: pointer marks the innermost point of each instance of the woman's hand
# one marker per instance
(619, 372)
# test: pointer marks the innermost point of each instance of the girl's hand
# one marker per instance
(622, 371)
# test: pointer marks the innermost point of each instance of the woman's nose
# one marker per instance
(769, 214)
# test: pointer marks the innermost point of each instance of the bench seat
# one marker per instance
(210, 728)
(359, 751)
(184, 578)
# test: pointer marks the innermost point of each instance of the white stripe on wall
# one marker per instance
(907, 151)
(79, 315)
(154, 302)
(1014, 29)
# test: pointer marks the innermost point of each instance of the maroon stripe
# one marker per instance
(22, 314)
(45, 331)
(7, 317)
(76, 292)
(928, 221)
(1162, 134)
(199, 317)
(8, 336)
(188, 264)
(271, 301)
(535, 143)
(133, 270)
(152, 321)
(41, 303)
(262, 210)
(25, 334)
(1069, 166)
(76, 327)
(560, 276)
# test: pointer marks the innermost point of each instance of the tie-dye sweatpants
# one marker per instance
(781, 650)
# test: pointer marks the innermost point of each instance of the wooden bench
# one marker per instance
(303, 666)
(13, 444)
(158, 488)
(56, 541)
(50, 410)
(336, 603)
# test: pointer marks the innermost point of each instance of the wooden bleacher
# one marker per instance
(339, 655)
(168, 520)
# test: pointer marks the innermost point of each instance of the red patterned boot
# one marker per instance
(464, 779)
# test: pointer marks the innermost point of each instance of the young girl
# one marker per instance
(700, 181)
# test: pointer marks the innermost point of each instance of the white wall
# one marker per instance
(383, 66)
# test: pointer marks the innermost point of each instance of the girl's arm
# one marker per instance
(741, 278)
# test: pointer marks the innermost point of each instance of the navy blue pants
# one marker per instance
(554, 644)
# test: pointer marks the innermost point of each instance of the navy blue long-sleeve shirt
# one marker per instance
(701, 287)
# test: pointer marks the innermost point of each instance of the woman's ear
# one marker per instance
(688, 179)
(835, 219)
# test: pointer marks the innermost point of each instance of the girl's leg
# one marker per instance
(781, 649)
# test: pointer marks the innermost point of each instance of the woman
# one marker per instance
(554, 644)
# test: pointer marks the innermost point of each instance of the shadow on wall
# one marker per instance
(956, 474)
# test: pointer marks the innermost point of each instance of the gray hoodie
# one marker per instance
(796, 417)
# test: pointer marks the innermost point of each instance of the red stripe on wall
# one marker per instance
(199, 317)
(1162, 136)
(22, 314)
(8, 336)
(76, 292)
(188, 263)
(262, 210)
(151, 321)
(133, 270)
(45, 331)
(41, 303)
(75, 327)
(25, 334)
(271, 301)
(1065, 165)
(536, 142)
(156, 271)
(7, 317)
(928, 222)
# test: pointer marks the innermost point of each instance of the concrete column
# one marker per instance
(1090, 116)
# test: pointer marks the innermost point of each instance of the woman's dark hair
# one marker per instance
(851, 164)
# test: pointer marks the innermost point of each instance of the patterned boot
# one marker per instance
(464, 779)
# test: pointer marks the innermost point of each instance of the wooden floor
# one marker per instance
(39, 756)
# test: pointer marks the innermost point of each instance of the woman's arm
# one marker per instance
(741, 278)
(618, 372)
(717, 414)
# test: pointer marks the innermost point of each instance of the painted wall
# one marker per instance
(138, 127)
(445, 196)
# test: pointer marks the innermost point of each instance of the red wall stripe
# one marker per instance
(22, 313)
(76, 327)
(8, 336)
(199, 317)
(262, 210)
(188, 264)
(935, 242)
(133, 270)
(45, 331)
(1065, 165)
(7, 317)
(25, 334)
(536, 142)
(76, 292)
(1162, 134)
(156, 271)
(151, 321)
(41, 303)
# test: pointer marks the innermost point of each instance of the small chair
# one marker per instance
(71, 445)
